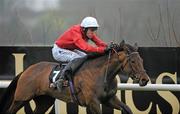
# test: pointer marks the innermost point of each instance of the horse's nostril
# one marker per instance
(143, 82)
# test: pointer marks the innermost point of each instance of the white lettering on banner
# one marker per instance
(118, 94)
(130, 102)
(18, 62)
(167, 95)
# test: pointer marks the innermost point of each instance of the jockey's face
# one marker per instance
(91, 32)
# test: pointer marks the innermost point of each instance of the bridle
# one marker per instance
(133, 74)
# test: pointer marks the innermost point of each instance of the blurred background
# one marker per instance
(40, 22)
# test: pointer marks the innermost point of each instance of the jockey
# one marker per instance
(72, 46)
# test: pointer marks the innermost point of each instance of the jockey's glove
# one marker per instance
(109, 47)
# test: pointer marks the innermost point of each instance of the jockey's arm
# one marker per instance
(83, 45)
(98, 41)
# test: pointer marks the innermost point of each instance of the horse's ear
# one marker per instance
(122, 43)
(136, 46)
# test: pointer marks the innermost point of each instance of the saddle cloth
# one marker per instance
(56, 71)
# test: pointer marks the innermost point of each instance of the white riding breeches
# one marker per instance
(65, 55)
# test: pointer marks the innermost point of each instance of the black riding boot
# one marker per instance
(69, 69)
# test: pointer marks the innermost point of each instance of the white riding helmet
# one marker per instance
(89, 22)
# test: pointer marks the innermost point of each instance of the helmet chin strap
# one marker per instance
(85, 32)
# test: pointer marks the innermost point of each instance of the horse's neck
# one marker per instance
(101, 64)
(99, 61)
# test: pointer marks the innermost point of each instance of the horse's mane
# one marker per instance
(96, 58)
(95, 55)
(100, 58)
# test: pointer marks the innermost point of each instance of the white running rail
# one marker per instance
(128, 86)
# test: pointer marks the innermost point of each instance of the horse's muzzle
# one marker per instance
(141, 78)
(143, 82)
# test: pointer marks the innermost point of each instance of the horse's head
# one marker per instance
(132, 63)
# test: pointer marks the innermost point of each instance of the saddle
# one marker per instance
(73, 66)
(62, 69)
(55, 73)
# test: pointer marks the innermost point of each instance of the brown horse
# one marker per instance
(94, 82)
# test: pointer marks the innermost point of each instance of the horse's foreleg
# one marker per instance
(114, 102)
(94, 107)
(15, 106)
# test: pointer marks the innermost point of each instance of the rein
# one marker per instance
(106, 72)
(109, 57)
